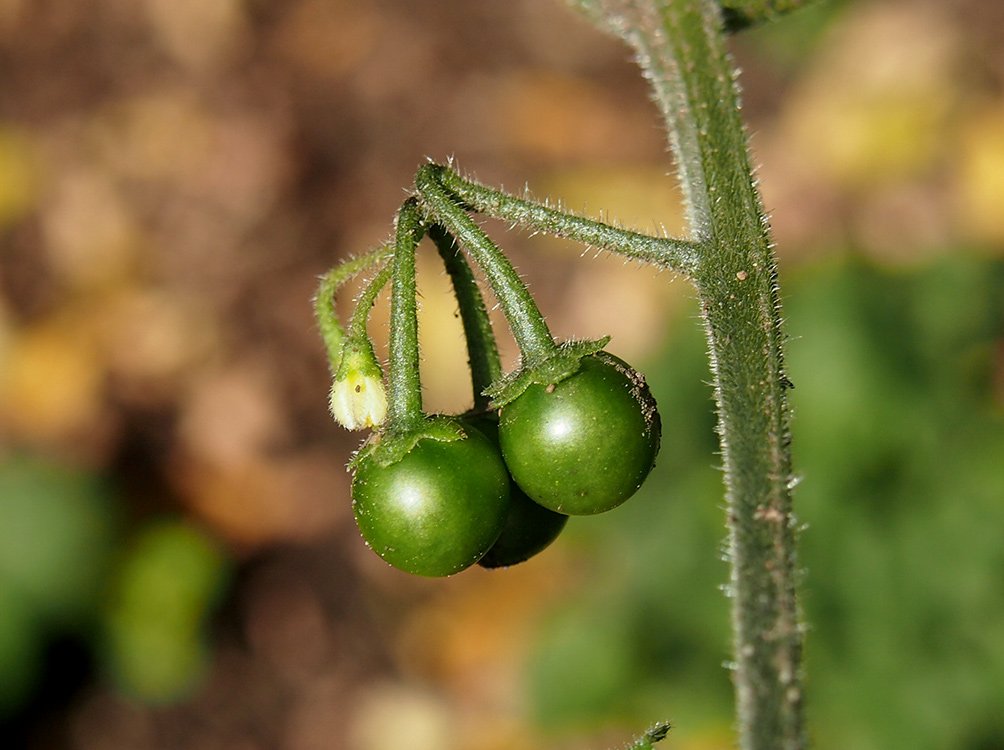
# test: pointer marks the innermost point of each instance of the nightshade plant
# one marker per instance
(578, 428)
(432, 495)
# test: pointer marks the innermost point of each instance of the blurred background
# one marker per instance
(178, 562)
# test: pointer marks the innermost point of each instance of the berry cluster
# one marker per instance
(573, 431)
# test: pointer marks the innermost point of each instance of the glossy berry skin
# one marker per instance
(586, 444)
(437, 510)
(529, 528)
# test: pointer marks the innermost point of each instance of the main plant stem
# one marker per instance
(681, 47)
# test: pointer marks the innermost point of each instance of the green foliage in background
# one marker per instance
(899, 425)
(143, 611)
(56, 529)
(155, 618)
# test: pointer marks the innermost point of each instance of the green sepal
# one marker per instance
(656, 733)
(358, 356)
(389, 446)
(552, 369)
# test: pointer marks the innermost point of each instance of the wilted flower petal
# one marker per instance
(358, 401)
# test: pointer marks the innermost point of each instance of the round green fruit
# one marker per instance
(583, 445)
(438, 509)
(529, 528)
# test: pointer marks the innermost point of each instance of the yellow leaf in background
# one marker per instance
(50, 382)
(389, 716)
(18, 178)
(446, 380)
(646, 199)
(608, 295)
(873, 107)
(980, 188)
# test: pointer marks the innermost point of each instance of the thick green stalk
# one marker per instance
(482, 351)
(675, 254)
(680, 45)
(404, 397)
(527, 324)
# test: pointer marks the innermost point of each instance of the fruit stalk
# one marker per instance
(404, 400)
(525, 320)
(482, 351)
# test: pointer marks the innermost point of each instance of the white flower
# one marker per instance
(358, 401)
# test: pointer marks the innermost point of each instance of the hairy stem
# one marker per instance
(359, 321)
(324, 302)
(404, 398)
(675, 254)
(527, 324)
(482, 351)
(680, 46)
(358, 345)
